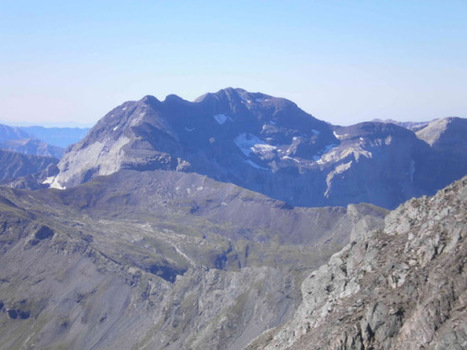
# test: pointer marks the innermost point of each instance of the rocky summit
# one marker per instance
(269, 145)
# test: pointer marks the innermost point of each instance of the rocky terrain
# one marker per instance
(14, 165)
(157, 260)
(271, 146)
(192, 225)
(400, 287)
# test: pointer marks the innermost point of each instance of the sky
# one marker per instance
(70, 62)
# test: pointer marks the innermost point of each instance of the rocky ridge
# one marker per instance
(267, 145)
(157, 260)
(400, 287)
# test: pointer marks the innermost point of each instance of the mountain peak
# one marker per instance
(263, 143)
(150, 100)
(212, 136)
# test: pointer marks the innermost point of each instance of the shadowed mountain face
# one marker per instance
(267, 145)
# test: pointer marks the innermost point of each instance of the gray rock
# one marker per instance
(403, 287)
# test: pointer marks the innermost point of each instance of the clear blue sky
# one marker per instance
(342, 61)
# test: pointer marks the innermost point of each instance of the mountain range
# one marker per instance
(271, 146)
(203, 225)
(60, 137)
(16, 140)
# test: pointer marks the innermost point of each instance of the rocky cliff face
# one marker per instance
(402, 287)
(267, 145)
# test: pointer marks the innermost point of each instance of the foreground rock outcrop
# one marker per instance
(403, 287)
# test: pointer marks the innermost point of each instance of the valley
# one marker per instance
(198, 225)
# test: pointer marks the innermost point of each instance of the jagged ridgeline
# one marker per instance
(271, 146)
(192, 225)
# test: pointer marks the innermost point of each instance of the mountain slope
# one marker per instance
(157, 259)
(264, 144)
(14, 165)
(403, 287)
(448, 141)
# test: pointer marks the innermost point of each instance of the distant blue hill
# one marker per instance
(61, 137)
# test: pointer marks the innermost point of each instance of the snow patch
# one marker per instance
(272, 122)
(244, 99)
(189, 130)
(221, 118)
(57, 186)
(290, 158)
(115, 129)
(314, 131)
(124, 108)
(249, 143)
(49, 180)
(340, 137)
(263, 147)
(342, 167)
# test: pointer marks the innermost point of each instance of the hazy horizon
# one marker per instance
(342, 62)
(72, 124)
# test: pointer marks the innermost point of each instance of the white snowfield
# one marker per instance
(249, 143)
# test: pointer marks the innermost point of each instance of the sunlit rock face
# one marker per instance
(400, 287)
